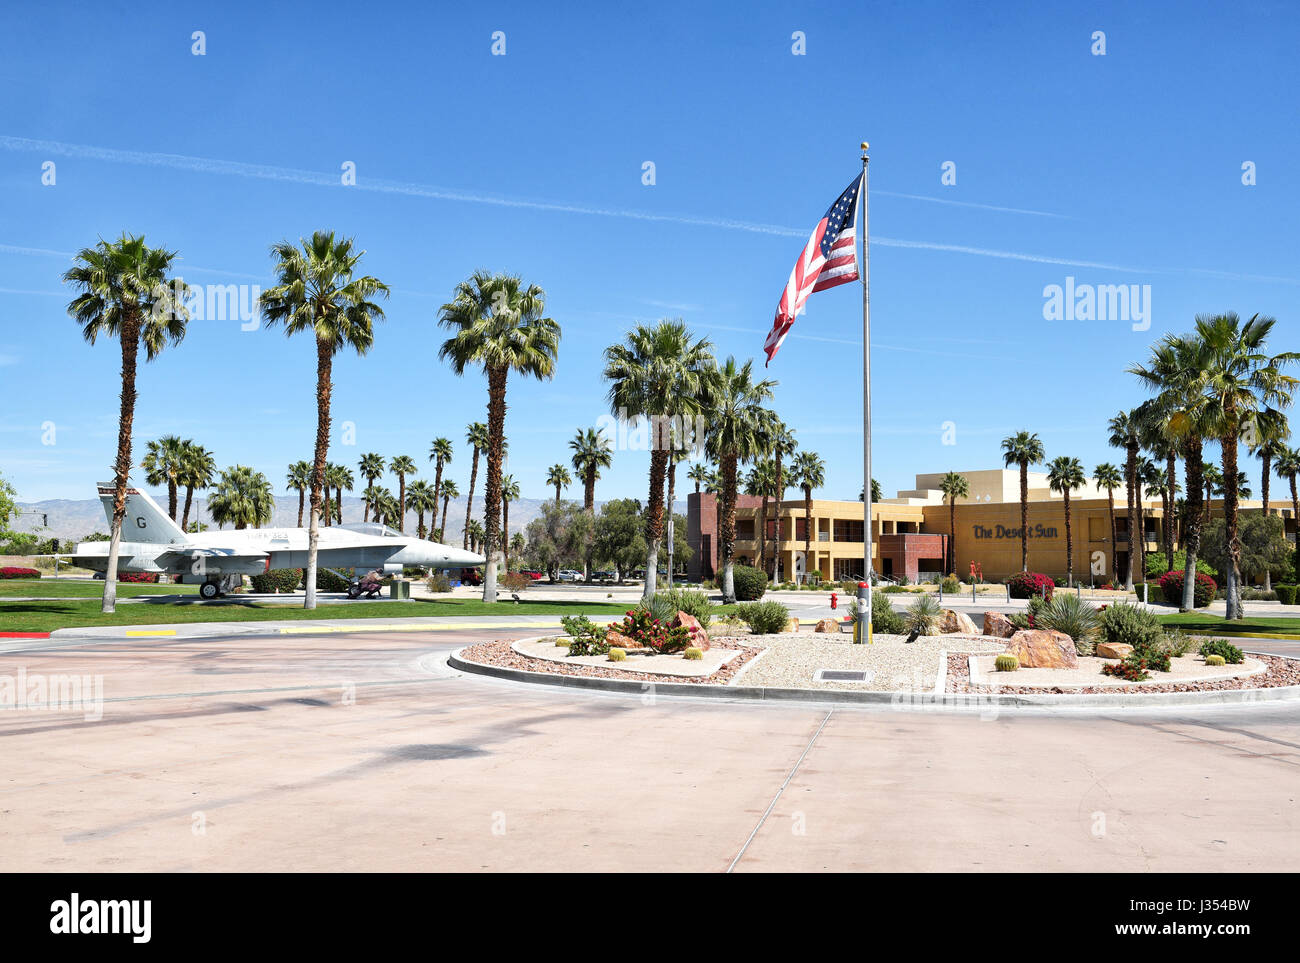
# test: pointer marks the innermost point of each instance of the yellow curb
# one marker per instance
(134, 633)
(309, 629)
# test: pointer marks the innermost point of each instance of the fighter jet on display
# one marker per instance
(152, 542)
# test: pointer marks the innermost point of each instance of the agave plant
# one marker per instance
(1076, 618)
(923, 616)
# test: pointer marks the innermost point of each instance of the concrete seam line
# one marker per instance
(941, 679)
(789, 776)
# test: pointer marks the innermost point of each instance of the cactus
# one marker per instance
(617, 655)
(1214, 660)
(1006, 662)
(563, 643)
(693, 653)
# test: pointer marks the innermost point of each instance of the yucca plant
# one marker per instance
(1076, 618)
(923, 616)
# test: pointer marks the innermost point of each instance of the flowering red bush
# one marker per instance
(645, 629)
(1171, 585)
(1028, 584)
(136, 577)
(13, 571)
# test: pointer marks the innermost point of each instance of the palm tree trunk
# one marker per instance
(505, 532)
(1229, 445)
(401, 502)
(589, 506)
(437, 487)
(492, 487)
(952, 534)
(327, 509)
(130, 337)
(324, 361)
(469, 502)
(1171, 469)
(1024, 516)
(443, 529)
(1295, 513)
(760, 521)
(171, 498)
(1069, 542)
(189, 500)
(302, 495)
(557, 494)
(727, 527)
(1267, 459)
(672, 494)
(807, 530)
(776, 529)
(338, 504)
(1130, 481)
(654, 521)
(1110, 507)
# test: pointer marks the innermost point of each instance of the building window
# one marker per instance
(848, 531)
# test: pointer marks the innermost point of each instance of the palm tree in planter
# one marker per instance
(317, 291)
(953, 486)
(1022, 449)
(1065, 475)
(126, 292)
(509, 493)
(242, 498)
(592, 451)
(809, 473)
(656, 373)
(422, 499)
(760, 483)
(476, 435)
(449, 491)
(499, 324)
(440, 453)
(738, 424)
(558, 477)
(371, 467)
(162, 466)
(1124, 433)
(198, 469)
(401, 466)
(1107, 476)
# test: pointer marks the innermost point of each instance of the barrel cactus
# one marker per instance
(1006, 662)
(1214, 660)
(693, 653)
(617, 655)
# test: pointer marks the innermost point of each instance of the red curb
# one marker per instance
(24, 635)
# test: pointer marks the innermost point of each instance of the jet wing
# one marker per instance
(214, 561)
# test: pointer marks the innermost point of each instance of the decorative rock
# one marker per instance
(617, 640)
(699, 638)
(1043, 649)
(957, 622)
(827, 625)
(1112, 650)
(791, 626)
(998, 625)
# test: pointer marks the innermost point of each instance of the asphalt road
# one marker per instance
(365, 752)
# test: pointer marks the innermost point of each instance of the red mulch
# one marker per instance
(500, 653)
(1278, 672)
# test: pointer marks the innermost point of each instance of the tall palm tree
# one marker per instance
(1107, 476)
(953, 486)
(476, 434)
(162, 466)
(809, 473)
(242, 498)
(737, 423)
(761, 482)
(341, 478)
(1023, 449)
(783, 445)
(371, 467)
(126, 291)
(326, 508)
(299, 479)
(198, 468)
(440, 453)
(449, 491)
(1288, 467)
(401, 466)
(1124, 429)
(1267, 442)
(677, 454)
(509, 493)
(876, 492)
(1241, 381)
(421, 498)
(370, 498)
(1065, 475)
(592, 451)
(475, 533)
(386, 508)
(558, 477)
(317, 290)
(499, 324)
(1212, 481)
(657, 373)
(698, 473)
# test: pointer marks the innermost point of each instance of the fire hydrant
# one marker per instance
(835, 601)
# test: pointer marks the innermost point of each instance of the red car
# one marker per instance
(535, 576)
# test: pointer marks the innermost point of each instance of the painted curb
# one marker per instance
(947, 701)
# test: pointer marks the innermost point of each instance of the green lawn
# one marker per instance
(48, 616)
(1197, 623)
(50, 588)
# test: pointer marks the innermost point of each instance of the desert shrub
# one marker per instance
(950, 584)
(1129, 625)
(1286, 593)
(645, 629)
(1020, 620)
(563, 643)
(438, 582)
(764, 618)
(692, 603)
(1174, 643)
(660, 607)
(1214, 660)
(1258, 595)
(903, 580)
(138, 577)
(1129, 669)
(14, 571)
(894, 590)
(749, 583)
(1171, 586)
(1006, 662)
(923, 616)
(1069, 614)
(278, 580)
(1026, 585)
(586, 637)
(1231, 654)
(617, 655)
(693, 653)
(883, 617)
(515, 581)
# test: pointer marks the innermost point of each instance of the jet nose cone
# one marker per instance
(473, 560)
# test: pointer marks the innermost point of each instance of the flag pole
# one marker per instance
(867, 571)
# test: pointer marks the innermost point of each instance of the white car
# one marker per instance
(569, 575)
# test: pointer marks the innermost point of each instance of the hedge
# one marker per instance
(280, 579)
(13, 571)
(1286, 593)
(749, 583)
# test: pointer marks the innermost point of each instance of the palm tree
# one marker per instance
(317, 291)
(509, 493)
(698, 473)
(126, 292)
(370, 498)
(676, 455)
(876, 492)
(371, 467)
(1107, 476)
(341, 478)
(242, 497)
(476, 434)
(1212, 479)
(1065, 475)
(1241, 382)
(953, 486)
(1288, 467)
(657, 373)
(737, 423)
(782, 443)
(327, 503)
(299, 479)
(591, 452)
(1124, 434)
(809, 473)
(760, 482)
(162, 465)
(558, 477)
(475, 534)
(421, 498)
(1268, 442)
(440, 453)
(386, 508)
(498, 324)
(1023, 449)
(401, 466)
(198, 468)
(449, 491)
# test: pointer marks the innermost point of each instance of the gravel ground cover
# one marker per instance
(1187, 668)
(1277, 672)
(648, 662)
(501, 653)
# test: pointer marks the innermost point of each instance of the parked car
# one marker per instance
(533, 574)
(471, 576)
(569, 575)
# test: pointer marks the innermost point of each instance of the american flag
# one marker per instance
(830, 258)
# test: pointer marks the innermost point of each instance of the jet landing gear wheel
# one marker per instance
(209, 590)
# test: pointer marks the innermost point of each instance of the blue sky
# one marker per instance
(1119, 169)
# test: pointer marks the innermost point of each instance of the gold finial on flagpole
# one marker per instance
(865, 147)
